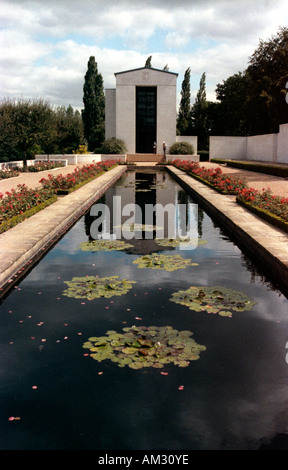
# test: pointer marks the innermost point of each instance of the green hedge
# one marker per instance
(112, 146)
(264, 214)
(181, 148)
(275, 170)
(19, 218)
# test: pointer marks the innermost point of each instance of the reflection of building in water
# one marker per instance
(144, 190)
(140, 207)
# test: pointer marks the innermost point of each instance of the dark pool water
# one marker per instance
(235, 396)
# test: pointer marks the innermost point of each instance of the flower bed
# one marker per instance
(274, 209)
(22, 202)
(43, 166)
(214, 178)
(81, 175)
(9, 173)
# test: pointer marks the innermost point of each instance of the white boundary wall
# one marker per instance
(81, 159)
(66, 159)
(232, 148)
(266, 147)
(72, 159)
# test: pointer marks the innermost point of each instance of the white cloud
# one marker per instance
(176, 40)
(45, 45)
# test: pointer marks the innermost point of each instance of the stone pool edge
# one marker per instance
(25, 244)
(256, 237)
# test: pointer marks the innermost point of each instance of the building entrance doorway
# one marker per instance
(146, 119)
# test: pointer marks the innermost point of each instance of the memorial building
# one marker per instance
(141, 110)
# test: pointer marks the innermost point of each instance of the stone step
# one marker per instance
(144, 157)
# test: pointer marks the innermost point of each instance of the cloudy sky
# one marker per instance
(45, 45)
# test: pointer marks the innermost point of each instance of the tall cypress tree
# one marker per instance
(183, 118)
(93, 114)
(199, 114)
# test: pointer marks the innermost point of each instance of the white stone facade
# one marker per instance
(120, 106)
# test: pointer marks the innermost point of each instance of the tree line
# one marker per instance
(29, 127)
(250, 102)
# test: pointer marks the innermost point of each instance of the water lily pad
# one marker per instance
(174, 242)
(134, 227)
(165, 262)
(104, 245)
(217, 300)
(137, 347)
(91, 287)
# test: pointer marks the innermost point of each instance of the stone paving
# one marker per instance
(31, 179)
(24, 244)
(278, 186)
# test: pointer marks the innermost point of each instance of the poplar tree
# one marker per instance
(93, 114)
(183, 118)
(199, 114)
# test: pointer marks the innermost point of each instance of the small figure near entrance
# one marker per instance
(164, 148)
(155, 147)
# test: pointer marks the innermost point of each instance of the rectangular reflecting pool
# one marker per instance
(143, 345)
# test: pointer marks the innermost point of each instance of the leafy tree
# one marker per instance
(253, 102)
(69, 128)
(184, 114)
(93, 114)
(148, 62)
(26, 125)
(268, 74)
(230, 114)
(29, 127)
(8, 141)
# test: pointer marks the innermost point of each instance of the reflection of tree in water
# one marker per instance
(89, 219)
(257, 275)
(185, 198)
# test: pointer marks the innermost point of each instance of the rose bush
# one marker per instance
(42, 166)
(22, 202)
(78, 176)
(265, 201)
(21, 199)
(9, 173)
(214, 177)
(266, 205)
